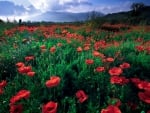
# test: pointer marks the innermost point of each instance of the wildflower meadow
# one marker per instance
(74, 69)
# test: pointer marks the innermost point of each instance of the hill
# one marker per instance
(142, 17)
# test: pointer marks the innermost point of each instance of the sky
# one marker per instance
(26, 9)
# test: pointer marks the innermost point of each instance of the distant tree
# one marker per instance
(15, 21)
(136, 8)
(93, 15)
(1, 21)
(20, 21)
(8, 21)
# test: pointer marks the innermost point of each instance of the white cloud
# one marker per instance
(44, 5)
(24, 3)
(55, 5)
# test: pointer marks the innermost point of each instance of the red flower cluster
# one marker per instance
(98, 54)
(50, 107)
(118, 80)
(140, 48)
(145, 96)
(143, 85)
(22, 69)
(3, 83)
(20, 95)
(54, 81)
(80, 94)
(20, 64)
(111, 109)
(115, 78)
(100, 44)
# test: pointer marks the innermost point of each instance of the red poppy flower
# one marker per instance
(89, 61)
(31, 73)
(109, 59)
(86, 48)
(111, 109)
(147, 49)
(96, 53)
(136, 81)
(20, 64)
(28, 58)
(53, 49)
(54, 81)
(100, 69)
(79, 49)
(125, 65)
(80, 94)
(115, 71)
(3, 83)
(64, 31)
(24, 69)
(144, 85)
(145, 96)
(59, 44)
(140, 48)
(118, 80)
(50, 107)
(16, 108)
(43, 47)
(21, 94)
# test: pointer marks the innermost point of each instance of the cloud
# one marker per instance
(11, 11)
(58, 5)
(9, 8)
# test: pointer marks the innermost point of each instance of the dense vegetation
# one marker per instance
(70, 69)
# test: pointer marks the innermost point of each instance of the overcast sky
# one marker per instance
(27, 9)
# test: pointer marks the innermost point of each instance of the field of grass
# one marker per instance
(68, 69)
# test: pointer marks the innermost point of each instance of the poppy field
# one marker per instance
(74, 69)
